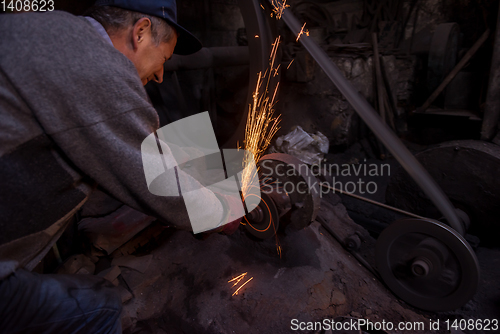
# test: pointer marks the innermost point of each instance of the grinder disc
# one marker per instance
(265, 224)
(427, 264)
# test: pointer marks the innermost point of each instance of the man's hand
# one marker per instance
(231, 227)
(230, 204)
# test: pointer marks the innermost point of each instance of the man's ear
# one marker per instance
(140, 32)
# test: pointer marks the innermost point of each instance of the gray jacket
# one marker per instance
(73, 113)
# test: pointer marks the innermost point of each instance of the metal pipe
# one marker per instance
(492, 106)
(210, 57)
(381, 130)
(378, 74)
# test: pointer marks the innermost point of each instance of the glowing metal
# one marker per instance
(302, 32)
(237, 290)
(261, 124)
(278, 8)
(244, 274)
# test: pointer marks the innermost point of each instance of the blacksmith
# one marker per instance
(73, 115)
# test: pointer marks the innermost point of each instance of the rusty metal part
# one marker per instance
(210, 57)
(373, 121)
(353, 242)
(281, 198)
(297, 180)
(427, 264)
(467, 170)
(263, 221)
(346, 244)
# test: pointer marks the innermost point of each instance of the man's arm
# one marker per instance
(110, 153)
(88, 98)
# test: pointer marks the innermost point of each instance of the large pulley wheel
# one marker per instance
(427, 264)
(263, 221)
(467, 171)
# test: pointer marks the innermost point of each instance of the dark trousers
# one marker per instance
(34, 303)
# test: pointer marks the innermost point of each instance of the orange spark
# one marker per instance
(302, 32)
(262, 7)
(244, 274)
(256, 36)
(261, 124)
(290, 64)
(236, 283)
(238, 279)
(237, 290)
(278, 8)
(276, 70)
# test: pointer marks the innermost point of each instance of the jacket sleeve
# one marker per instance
(109, 152)
(87, 97)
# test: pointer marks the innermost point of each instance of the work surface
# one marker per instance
(186, 290)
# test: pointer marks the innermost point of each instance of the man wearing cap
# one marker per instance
(74, 113)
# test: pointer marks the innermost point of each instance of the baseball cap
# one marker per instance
(164, 9)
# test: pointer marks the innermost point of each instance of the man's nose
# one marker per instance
(159, 75)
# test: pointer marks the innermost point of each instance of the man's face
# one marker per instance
(150, 57)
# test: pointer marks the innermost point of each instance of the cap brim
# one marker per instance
(186, 42)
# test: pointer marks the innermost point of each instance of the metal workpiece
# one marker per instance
(210, 57)
(290, 196)
(379, 128)
(296, 179)
(281, 198)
